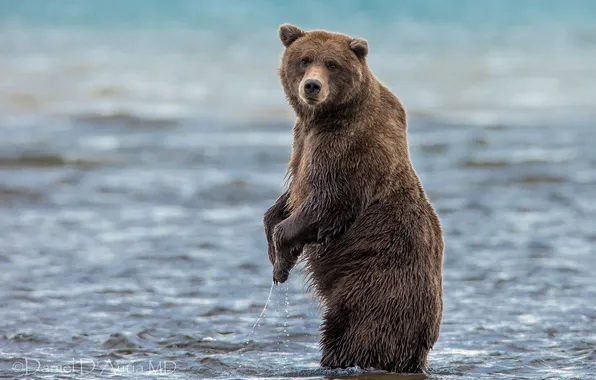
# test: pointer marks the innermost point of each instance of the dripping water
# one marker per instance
(261, 315)
(287, 316)
(240, 364)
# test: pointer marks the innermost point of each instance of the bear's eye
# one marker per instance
(331, 65)
(304, 62)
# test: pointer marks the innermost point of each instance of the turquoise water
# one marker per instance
(267, 13)
(462, 61)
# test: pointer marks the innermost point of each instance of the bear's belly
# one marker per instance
(380, 243)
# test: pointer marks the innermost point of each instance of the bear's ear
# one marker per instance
(360, 47)
(290, 33)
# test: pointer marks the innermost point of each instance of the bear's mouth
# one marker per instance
(310, 100)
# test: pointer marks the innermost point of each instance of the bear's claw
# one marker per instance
(280, 276)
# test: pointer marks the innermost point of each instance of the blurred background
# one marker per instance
(142, 140)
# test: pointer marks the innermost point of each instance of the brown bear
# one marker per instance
(355, 209)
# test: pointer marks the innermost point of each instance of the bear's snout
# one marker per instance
(312, 87)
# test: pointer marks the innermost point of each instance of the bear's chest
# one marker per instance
(301, 184)
(318, 153)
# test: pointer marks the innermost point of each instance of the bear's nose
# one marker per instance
(312, 87)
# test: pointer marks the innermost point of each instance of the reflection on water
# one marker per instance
(379, 376)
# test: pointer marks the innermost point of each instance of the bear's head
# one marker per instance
(320, 69)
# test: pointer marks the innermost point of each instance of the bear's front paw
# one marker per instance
(280, 275)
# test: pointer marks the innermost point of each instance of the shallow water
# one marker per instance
(129, 247)
(140, 144)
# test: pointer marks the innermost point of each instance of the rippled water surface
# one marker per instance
(136, 249)
(142, 140)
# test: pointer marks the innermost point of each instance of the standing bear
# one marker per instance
(355, 209)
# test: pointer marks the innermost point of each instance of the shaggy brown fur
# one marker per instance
(356, 210)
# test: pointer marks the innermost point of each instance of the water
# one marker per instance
(458, 60)
(141, 144)
(262, 312)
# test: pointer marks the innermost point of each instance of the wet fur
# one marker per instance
(374, 242)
